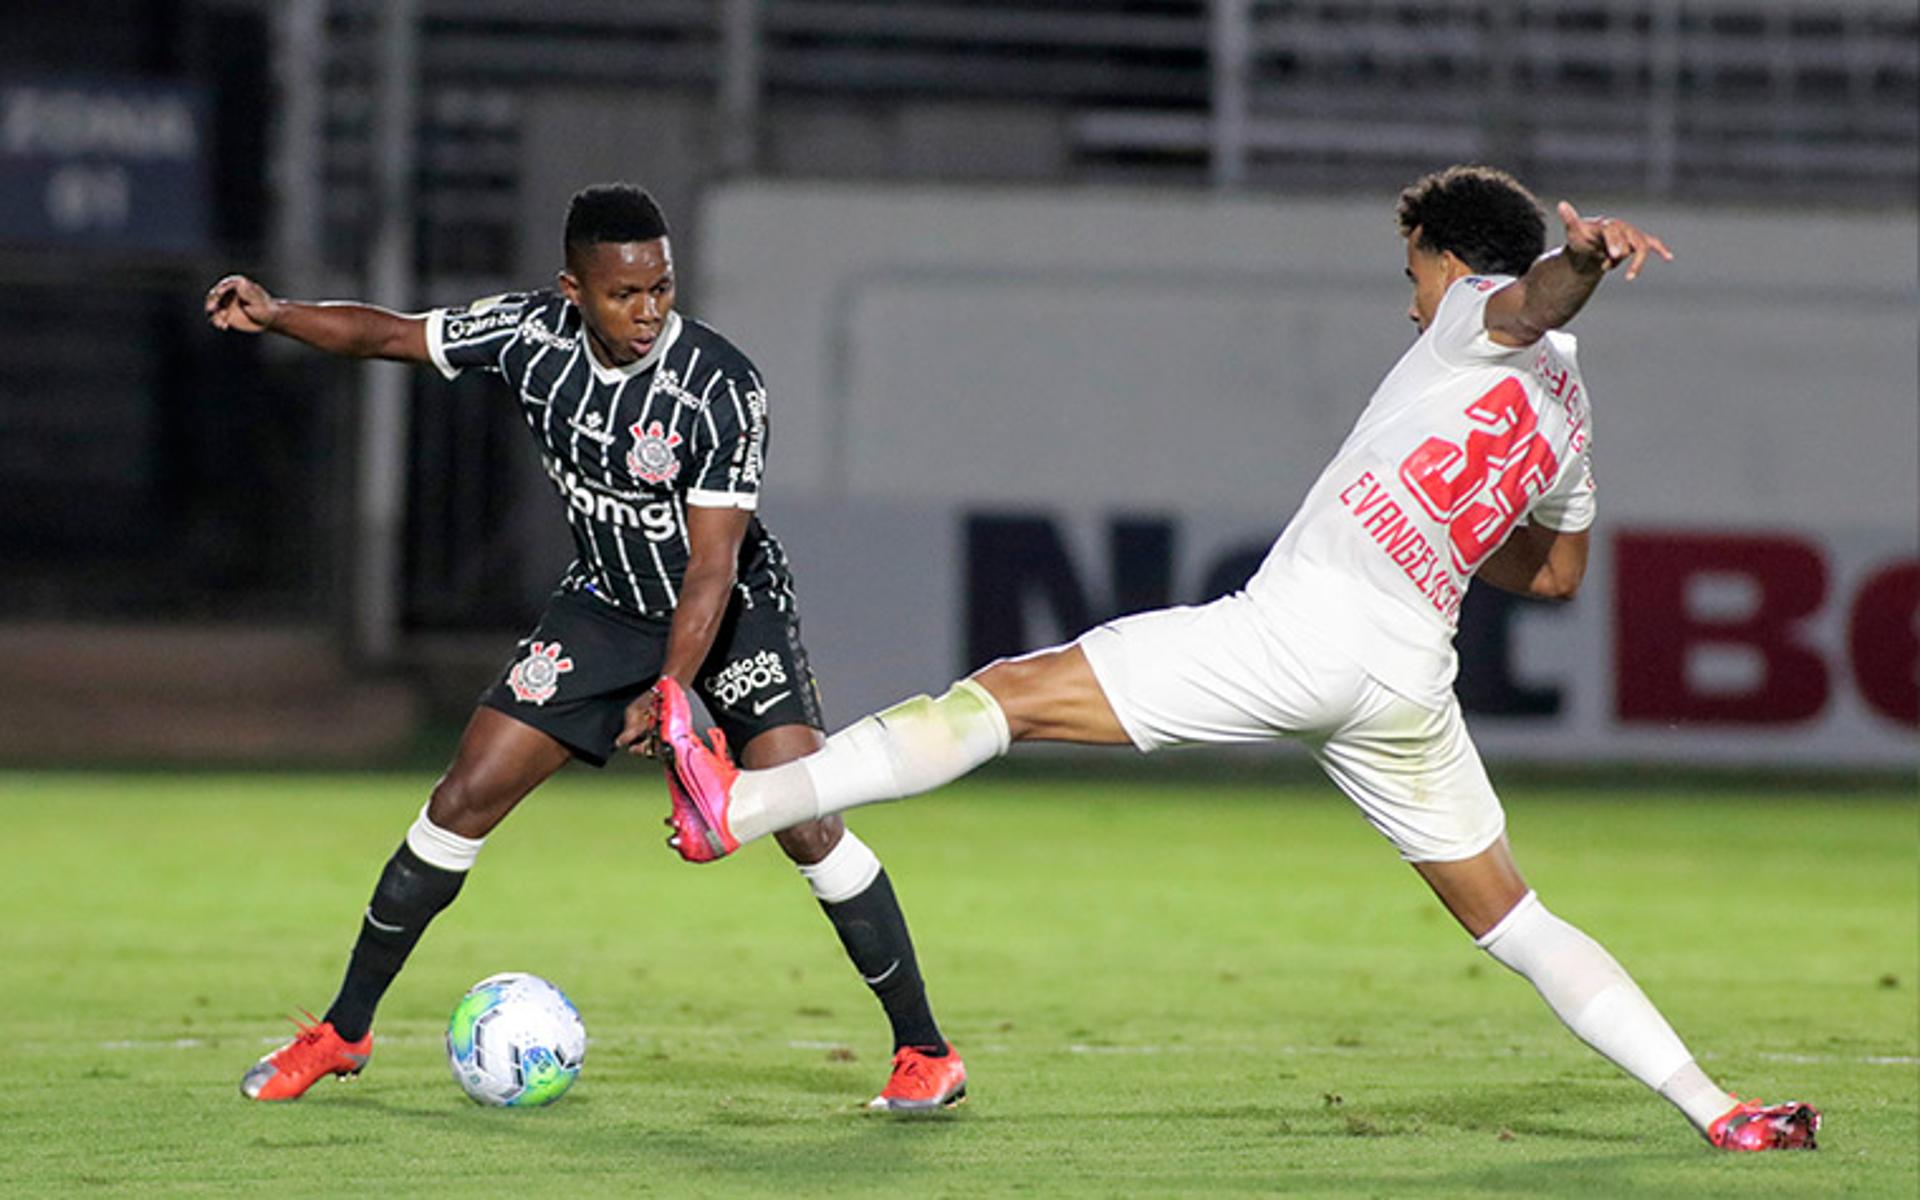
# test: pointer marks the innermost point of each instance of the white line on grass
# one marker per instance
(1870, 1060)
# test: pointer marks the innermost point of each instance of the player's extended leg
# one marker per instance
(913, 747)
(499, 761)
(1595, 997)
(855, 893)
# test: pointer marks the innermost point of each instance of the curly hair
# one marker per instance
(1482, 214)
(613, 212)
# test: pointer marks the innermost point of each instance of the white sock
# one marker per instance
(913, 747)
(848, 869)
(442, 848)
(1601, 1004)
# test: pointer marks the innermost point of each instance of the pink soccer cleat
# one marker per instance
(1751, 1125)
(699, 779)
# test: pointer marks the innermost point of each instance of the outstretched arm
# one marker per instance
(1556, 287)
(354, 330)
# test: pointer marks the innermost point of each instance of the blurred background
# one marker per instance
(1062, 307)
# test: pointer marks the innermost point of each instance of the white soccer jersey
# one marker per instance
(1464, 439)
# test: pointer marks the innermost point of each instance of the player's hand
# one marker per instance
(239, 304)
(1610, 241)
(641, 733)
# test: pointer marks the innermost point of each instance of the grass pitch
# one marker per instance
(1160, 989)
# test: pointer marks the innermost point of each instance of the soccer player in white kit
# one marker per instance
(1472, 460)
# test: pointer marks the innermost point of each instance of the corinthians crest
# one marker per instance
(535, 678)
(652, 458)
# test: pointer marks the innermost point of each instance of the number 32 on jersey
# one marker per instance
(1478, 490)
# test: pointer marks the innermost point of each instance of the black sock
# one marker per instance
(874, 931)
(410, 893)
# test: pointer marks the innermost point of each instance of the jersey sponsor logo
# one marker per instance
(1557, 379)
(652, 458)
(655, 519)
(589, 427)
(744, 676)
(756, 440)
(535, 330)
(666, 382)
(1479, 284)
(535, 678)
(462, 328)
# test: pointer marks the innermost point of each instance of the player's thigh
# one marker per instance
(574, 675)
(498, 762)
(1211, 674)
(1052, 696)
(757, 684)
(1415, 775)
(759, 688)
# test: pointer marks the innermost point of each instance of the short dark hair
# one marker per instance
(613, 212)
(1481, 214)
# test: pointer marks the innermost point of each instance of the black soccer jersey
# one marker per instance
(629, 448)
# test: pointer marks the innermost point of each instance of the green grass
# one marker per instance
(1160, 990)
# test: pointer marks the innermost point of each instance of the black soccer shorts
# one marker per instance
(574, 675)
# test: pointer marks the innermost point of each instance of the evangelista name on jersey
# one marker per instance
(629, 448)
(1463, 439)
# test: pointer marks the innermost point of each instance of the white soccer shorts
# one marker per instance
(1223, 673)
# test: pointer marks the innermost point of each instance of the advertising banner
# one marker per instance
(103, 164)
(1754, 647)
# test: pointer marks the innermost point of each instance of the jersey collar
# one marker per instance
(639, 366)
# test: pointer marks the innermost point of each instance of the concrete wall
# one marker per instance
(1179, 350)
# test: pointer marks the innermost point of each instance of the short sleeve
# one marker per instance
(474, 336)
(1459, 332)
(730, 451)
(1569, 507)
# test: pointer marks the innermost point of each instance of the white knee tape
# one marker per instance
(932, 742)
(848, 869)
(442, 848)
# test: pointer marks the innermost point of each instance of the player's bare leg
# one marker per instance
(498, 762)
(858, 898)
(1053, 696)
(913, 747)
(1596, 999)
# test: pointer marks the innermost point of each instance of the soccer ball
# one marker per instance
(516, 1041)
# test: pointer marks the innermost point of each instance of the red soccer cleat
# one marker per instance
(922, 1083)
(1751, 1125)
(699, 779)
(288, 1072)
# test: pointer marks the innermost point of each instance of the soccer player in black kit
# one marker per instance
(653, 427)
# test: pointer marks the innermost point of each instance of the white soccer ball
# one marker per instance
(515, 1040)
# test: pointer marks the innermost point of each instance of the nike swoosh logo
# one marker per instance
(760, 709)
(382, 926)
(882, 977)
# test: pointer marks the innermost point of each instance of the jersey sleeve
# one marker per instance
(1569, 507)
(730, 445)
(1459, 330)
(477, 335)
